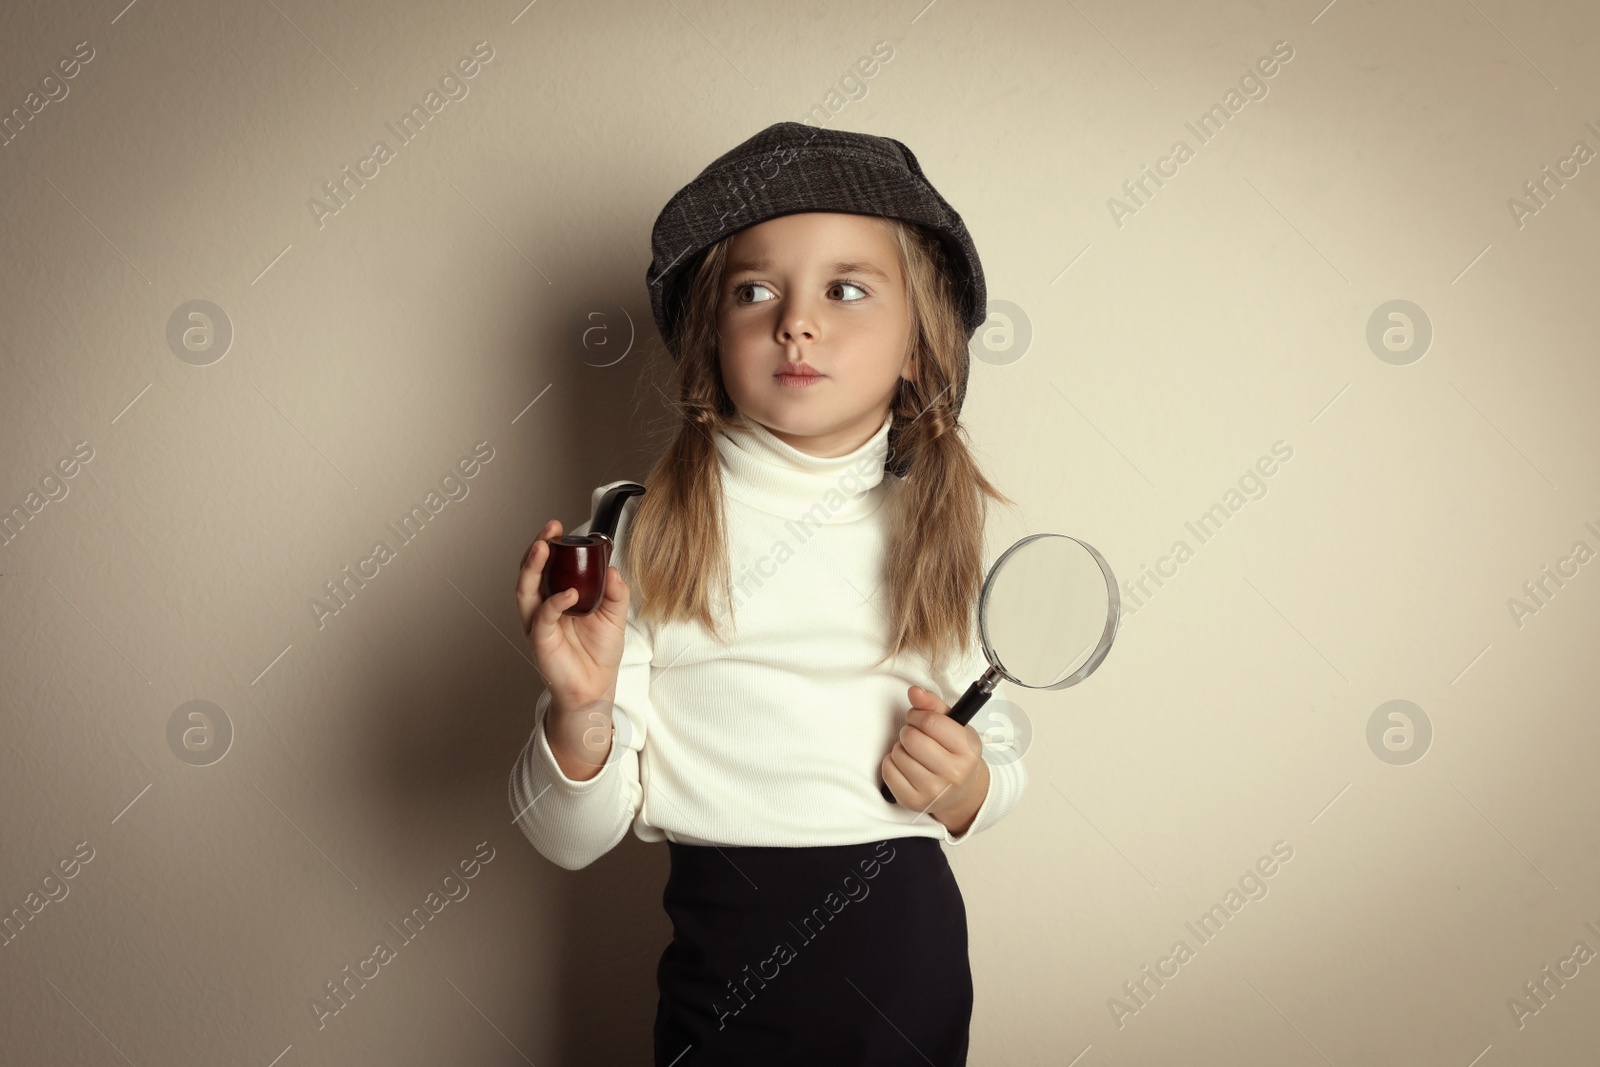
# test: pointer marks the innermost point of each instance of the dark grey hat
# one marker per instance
(791, 167)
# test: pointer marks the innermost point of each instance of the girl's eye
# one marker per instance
(738, 291)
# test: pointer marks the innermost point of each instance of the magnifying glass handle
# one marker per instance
(971, 702)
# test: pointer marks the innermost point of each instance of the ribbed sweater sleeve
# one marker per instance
(1007, 780)
(572, 823)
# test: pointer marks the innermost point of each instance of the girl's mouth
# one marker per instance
(797, 381)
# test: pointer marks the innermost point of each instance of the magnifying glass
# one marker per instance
(1046, 617)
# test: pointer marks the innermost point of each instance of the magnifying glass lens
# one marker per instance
(1046, 610)
(1047, 616)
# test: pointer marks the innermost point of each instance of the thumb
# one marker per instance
(927, 699)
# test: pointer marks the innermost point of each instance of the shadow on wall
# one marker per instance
(577, 950)
(608, 923)
(612, 933)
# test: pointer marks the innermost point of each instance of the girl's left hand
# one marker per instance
(937, 764)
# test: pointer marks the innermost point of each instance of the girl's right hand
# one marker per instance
(579, 655)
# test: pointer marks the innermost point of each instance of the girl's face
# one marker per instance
(821, 289)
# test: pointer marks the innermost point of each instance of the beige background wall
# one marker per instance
(373, 351)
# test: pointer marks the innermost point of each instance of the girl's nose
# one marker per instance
(796, 322)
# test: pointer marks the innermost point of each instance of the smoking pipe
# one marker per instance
(579, 561)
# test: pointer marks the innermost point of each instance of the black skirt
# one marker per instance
(838, 954)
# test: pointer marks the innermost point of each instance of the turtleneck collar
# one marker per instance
(774, 476)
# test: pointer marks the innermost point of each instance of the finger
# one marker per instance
(532, 572)
(528, 579)
(532, 568)
(544, 624)
(910, 781)
(896, 782)
(533, 560)
(932, 752)
(951, 736)
(528, 600)
(551, 531)
(924, 782)
(554, 605)
(615, 602)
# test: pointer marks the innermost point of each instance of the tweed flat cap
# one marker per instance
(791, 167)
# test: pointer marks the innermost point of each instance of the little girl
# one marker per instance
(806, 561)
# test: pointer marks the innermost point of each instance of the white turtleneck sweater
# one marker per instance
(777, 737)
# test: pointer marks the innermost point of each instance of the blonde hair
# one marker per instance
(676, 547)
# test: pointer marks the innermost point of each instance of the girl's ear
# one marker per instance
(908, 369)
